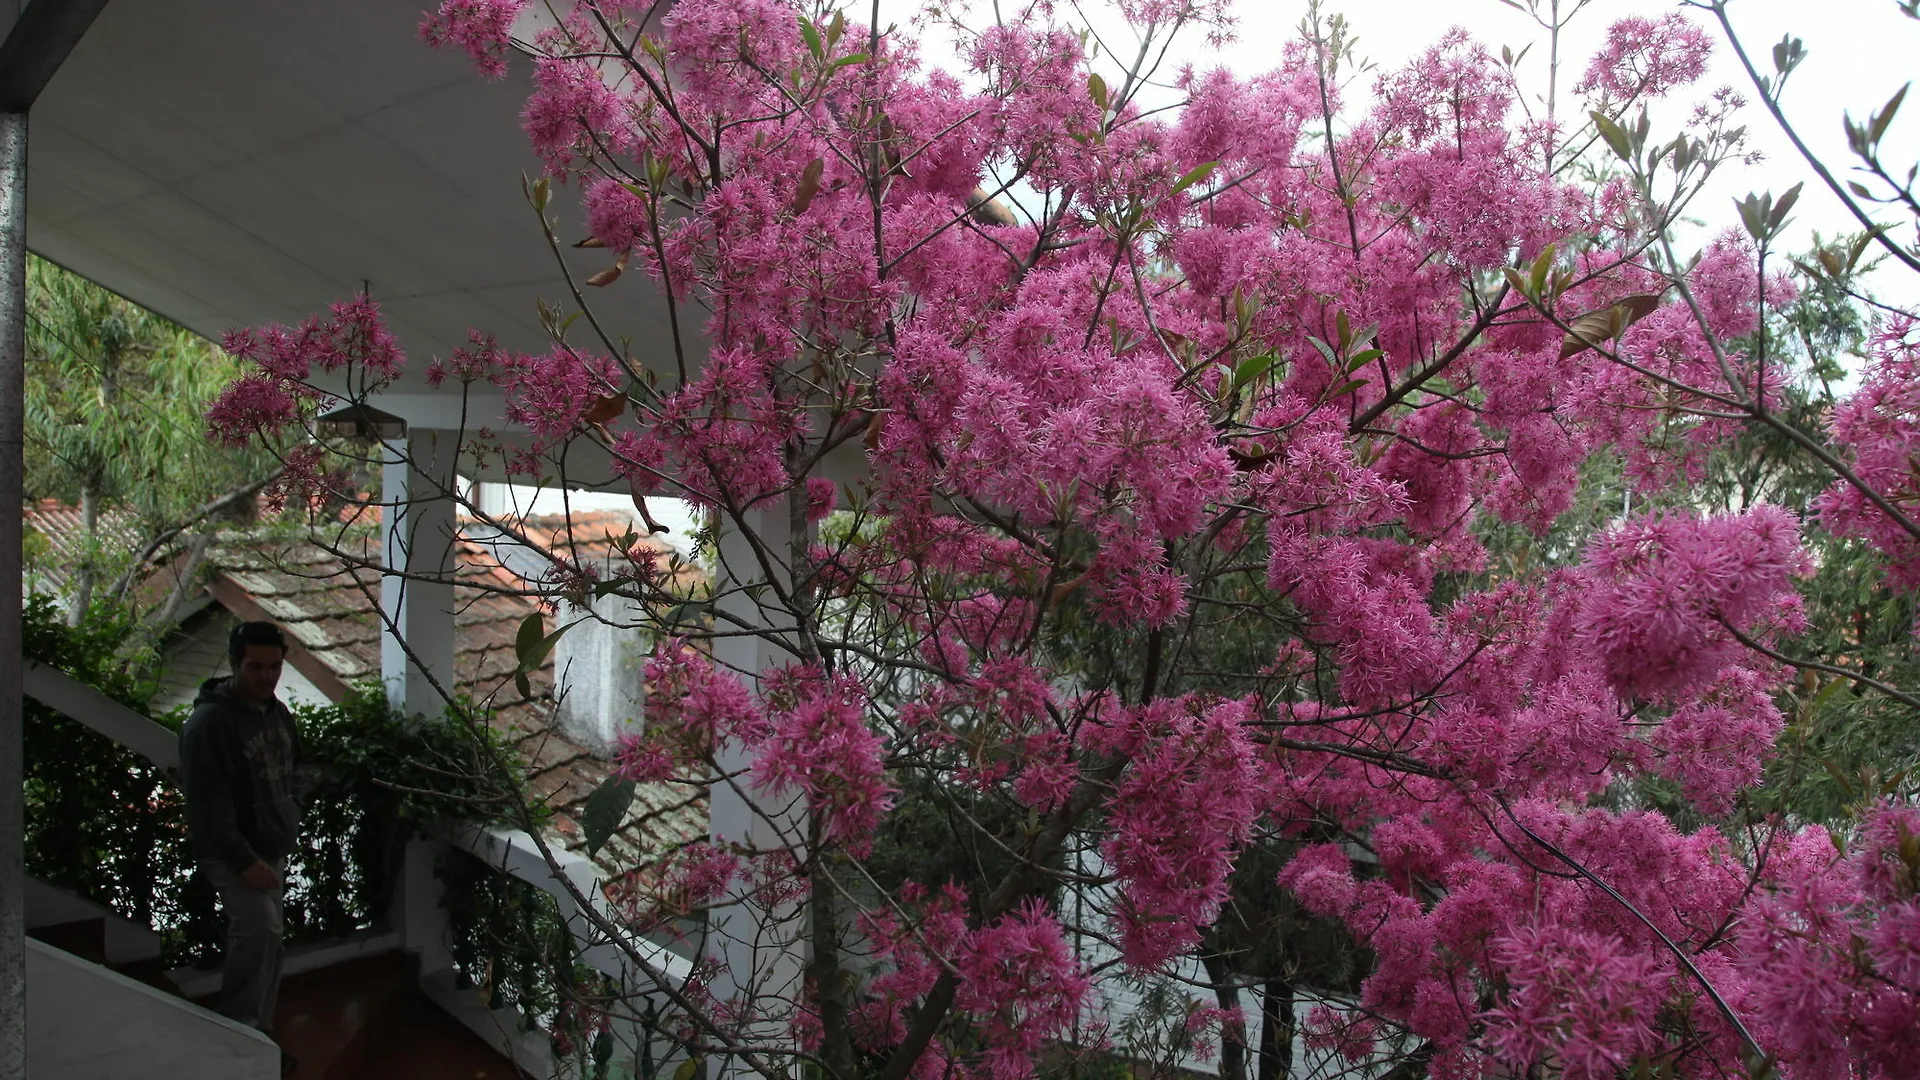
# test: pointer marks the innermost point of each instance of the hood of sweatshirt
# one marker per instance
(215, 692)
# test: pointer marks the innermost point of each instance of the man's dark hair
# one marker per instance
(254, 633)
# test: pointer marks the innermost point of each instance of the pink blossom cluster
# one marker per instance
(551, 394)
(721, 438)
(1176, 820)
(1076, 405)
(1020, 987)
(915, 950)
(481, 28)
(820, 745)
(1830, 969)
(1646, 58)
(1583, 982)
(253, 405)
(1672, 590)
(1578, 999)
(351, 338)
(694, 703)
(1880, 424)
(808, 731)
(276, 394)
(480, 360)
(570, 109)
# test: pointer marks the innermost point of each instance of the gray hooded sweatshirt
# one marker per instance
(237, 761)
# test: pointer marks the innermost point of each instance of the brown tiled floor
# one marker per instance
(367, 1020)
(362, 1020)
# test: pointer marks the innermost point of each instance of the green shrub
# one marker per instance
(104, 823)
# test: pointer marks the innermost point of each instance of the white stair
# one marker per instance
(85, 1022)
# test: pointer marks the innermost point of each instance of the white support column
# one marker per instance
(418, 912)
(418, 524)
(763, 951)
(600, 665)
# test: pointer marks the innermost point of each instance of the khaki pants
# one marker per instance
(250, 979)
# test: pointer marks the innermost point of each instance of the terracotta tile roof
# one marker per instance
(329, 607)
(59, 527)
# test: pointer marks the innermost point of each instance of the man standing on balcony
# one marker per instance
(238, 753)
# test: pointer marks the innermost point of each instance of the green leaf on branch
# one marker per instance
(1596, 327)
(1860, 244)
(688, 1069)
(1537, 274)
(1779, 216)
(532, 645)
(1345, 388)
(1253, 367)
(690, 611)
(1194, 175)
(1326, 350)
(1753, 215)
(1827, 691)
(532, 629)
(1683, 151)
(1788, 54)
(606, 808)
(1097, 89)
(1885, 116)
(811, 35)
(1615, 135)
(1363, 358)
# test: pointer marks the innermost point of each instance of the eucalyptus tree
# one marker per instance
(114, 400)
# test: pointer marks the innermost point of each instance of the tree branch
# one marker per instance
(201, 513)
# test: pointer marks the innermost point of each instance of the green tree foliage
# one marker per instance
(114, 399)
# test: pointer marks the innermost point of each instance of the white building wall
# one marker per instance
(200, 653)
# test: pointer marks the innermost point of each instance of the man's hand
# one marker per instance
(260, 876)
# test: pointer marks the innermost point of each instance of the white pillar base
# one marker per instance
(419, 529)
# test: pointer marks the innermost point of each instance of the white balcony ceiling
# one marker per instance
(236, 162)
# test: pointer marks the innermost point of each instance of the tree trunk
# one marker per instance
(829, 982)
(1276, 1030)
(168, 612)
(1233, 1037)
(89, 543)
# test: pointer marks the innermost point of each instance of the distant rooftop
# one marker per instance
(329, 608)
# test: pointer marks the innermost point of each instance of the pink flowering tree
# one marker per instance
(1111, 496)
